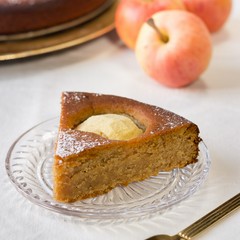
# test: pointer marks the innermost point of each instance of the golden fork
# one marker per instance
(204, 222)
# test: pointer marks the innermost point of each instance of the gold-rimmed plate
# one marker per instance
(73, 36)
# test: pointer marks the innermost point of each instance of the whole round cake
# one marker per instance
(20, 16)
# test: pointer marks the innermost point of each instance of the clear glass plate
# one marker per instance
(29, 167)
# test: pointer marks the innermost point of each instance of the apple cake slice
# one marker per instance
(105, 141)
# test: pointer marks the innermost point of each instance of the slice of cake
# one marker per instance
(105, 141)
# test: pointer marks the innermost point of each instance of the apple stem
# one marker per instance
(162, 36)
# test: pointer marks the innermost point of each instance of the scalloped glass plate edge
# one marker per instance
(174, 186)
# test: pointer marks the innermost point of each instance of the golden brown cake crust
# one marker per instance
(77, 107)
(30, 15)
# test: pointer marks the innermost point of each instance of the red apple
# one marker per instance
(131, 14)
(174, 47)
(213, 12)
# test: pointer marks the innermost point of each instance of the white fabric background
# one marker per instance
(30, 93)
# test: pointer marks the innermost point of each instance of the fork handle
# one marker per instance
(210, 218)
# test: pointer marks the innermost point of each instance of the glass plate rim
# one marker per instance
(80, 215)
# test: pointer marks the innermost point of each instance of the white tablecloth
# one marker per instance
(30, 93)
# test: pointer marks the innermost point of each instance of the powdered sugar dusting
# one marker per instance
(73, 142)
(71, 97)
(166, 119)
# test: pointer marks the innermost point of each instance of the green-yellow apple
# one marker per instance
(131, 14)
(213, 12)
(174, 47)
